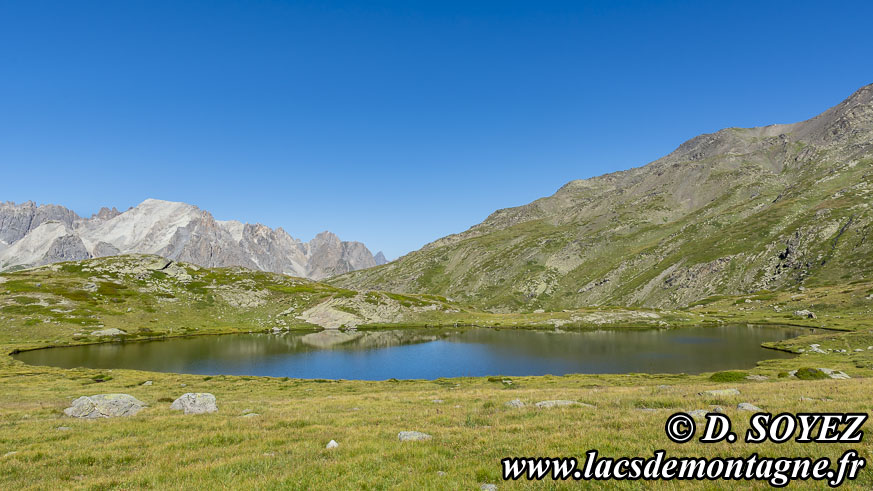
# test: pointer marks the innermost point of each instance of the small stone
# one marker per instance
(183, 385)
(147, 383)
(9, 454)
(757, 378)
(437, 401)
(560, 403)
(720, 393)
(745, 406)
(698, 413)
(804, 398)
(717, 409)
(515, 403)
(332, 444)
(250, 415)
(195, 403)
(412, 436)
(442, 473)
(269, 454)
(63, 428)
(488, 487)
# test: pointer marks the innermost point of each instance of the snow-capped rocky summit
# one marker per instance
(33, 235)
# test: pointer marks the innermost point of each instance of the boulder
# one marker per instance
(104, 406)
(332, 444)
(745, 406)
(515, 403)
(412, 436)
(195, 403)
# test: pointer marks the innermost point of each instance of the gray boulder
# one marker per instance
(195, 403)
(412, 436)
(104, 406)
(515, 403)
(745, 406)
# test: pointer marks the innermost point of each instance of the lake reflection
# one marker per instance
(434, 353)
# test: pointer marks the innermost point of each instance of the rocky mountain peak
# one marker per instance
(33, 235)
(106, 213)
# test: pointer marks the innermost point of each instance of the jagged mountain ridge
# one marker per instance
(34, 235)
(730, 212)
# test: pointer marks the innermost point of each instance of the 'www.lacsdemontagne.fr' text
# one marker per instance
(777, 472)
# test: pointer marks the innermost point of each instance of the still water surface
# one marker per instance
(434, 353)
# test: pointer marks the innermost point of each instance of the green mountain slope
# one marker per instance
(733, 212)
(141, 296)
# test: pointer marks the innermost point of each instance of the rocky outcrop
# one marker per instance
(32, 235)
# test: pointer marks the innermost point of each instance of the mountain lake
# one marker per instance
(431, 353)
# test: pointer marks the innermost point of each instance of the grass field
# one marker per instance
(472, 428)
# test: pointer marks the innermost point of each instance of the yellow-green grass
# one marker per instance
(284, 447)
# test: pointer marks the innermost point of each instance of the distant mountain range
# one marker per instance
(34, 235)
(737, 211)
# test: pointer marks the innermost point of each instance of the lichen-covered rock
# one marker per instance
(195, 403)
(104, 406)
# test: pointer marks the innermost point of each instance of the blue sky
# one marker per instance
(392, 123)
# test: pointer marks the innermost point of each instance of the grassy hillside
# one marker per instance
(734, 212)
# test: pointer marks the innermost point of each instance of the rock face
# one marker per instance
(32, 235)
(104, 406)
(674, 231)
(195, 403)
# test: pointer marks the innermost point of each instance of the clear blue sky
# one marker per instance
(392, 123)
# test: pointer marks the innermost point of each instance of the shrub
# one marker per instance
(728, 376)
(810, 374)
